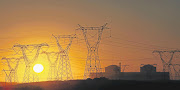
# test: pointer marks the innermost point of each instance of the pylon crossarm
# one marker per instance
(36, 45)
(71, 37)
(171, 51)
(92, 28)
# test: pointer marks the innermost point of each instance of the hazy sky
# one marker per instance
(137, 26)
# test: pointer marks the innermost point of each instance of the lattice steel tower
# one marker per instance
(64, 67)
(29, 75)
(167, 64)
(53, 58)
(92, 63)
(11, 73)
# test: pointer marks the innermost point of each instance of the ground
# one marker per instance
(97, 84)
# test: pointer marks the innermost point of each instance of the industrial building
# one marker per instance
(147, 72)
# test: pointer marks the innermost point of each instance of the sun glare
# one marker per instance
(38, 68)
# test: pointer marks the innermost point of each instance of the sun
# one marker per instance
(38, 68)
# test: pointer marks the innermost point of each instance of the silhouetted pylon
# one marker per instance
(167, 64)
(64, 66)
(92, 63)
(11, 73)
(53, 58)
(29, 75)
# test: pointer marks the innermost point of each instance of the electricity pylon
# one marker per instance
(53, 58)
(167, 64)
(92, 63)
(11, 73)
(64, 67)
(29, 75)
(177, 72)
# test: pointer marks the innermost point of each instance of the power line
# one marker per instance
(143, 43)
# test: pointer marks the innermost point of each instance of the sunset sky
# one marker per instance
(137, 28)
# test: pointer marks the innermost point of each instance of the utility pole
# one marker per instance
(29, 75)
(64, 67)
(92, 63)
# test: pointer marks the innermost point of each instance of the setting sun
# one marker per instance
(38, 68)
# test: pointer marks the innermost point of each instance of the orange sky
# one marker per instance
(137, 28)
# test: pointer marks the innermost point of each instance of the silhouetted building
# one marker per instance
(112, 69)
(147, 72)
(148, 68)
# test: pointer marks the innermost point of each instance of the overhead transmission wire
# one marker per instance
(148, 49)
(144, 48)
(144, 44)
(82, 58)
(74, 51)
(121, 43)
(150, 46)
(124, 45)
(106, 49)
(77, 65)
(103, 50)
(139, 43)
(133, 45)
(54, 45)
